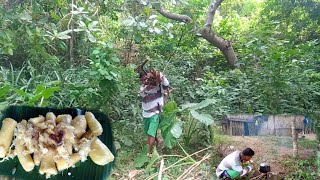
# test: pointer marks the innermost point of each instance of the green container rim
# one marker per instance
(83, 170)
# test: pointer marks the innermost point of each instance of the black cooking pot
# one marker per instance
(264, 168)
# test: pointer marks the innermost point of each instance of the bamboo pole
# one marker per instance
(294, 137)
(161, 169)
(192, 167)
(155, 174)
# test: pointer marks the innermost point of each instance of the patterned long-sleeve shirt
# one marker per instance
(153, 98)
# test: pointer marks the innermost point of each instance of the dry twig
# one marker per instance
(161, 169)
(259, 176)
(191, 168)
(155, 174)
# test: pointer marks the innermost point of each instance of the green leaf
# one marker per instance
(93, 25)
(21, 93)
(204, 104)
(169, 139)
(142, 157)
(167, 122)
(156, 5)
(8, 50)
(91, 37)
(110, 45)
(3, 105)
(130, 21)
(113, 74)
(64, 35)
(153, 160)
(34, 99)
(95, 52)
(117, 145)
(203, 118)
(165, 177)
(50, 91)
(137, 38)
(115, 59)
(176, 130)
(188, 105)
(109, 77)
(93, 73)
(170, 107)
(39, 89)
(127, 141)
(53, 83)
(25, 17)
(63, 45)
(157, 30)
(143, 2)
(4, 90)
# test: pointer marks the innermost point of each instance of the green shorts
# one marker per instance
(151, 125)
(229, 174)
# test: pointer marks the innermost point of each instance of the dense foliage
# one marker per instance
(83, 54)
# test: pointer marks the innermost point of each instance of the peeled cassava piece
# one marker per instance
(100, 153)
(48, 166)
(36, 120)
(50, 116)
(6, 135)
(53, 141)
(93, 124)
(80, 125)
(63, 164)
(37, 156)
(25, 159)
(66, 118)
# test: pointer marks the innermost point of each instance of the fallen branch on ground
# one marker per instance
(155, 174)
(191, 168)
(161, 169)
(259, 176)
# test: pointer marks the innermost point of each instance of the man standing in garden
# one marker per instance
(236, 164)
(153, 87)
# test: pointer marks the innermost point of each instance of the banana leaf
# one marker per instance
(83, 170)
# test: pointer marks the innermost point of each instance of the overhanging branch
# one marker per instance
(206, 32)
(217, 41)
(173, 16)
(212, 11)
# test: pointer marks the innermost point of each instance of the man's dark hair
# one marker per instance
(248, 152)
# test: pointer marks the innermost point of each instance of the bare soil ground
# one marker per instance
(271, 149)
(275, 150)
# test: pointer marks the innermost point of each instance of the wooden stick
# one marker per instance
(161, 169)
(259, 176)
(155, 174)
(191, 168)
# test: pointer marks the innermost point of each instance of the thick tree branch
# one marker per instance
(211, 12)
(206, 32)
(173, 16)
(222, 44)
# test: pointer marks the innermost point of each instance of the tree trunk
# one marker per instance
(71, 40)
(294, 138)
(211, 130)
(274, 125)
(225, 46)
(222, 44)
